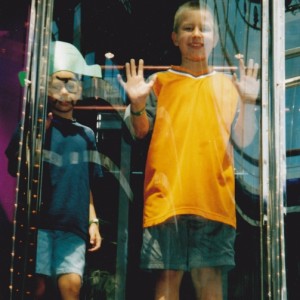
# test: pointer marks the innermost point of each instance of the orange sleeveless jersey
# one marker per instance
(189, 167)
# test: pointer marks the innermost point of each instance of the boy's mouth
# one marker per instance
(196, 45)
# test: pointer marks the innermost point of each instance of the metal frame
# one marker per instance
(273, 154)
(30, 152)
(273, 146)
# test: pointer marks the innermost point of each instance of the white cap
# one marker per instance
(66, 57)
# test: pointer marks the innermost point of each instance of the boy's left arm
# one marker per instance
(248, 87)
(94, 232)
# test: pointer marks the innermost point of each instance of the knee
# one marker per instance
(170, 277)
(69, 284)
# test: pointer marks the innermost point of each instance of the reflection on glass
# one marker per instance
(202, 162)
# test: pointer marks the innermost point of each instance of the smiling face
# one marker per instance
(64, 90)
(195, 34)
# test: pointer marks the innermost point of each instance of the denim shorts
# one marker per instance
(187, 242)
(59, 252)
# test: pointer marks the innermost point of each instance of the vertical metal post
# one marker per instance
(264, 172)
(277, 156)
(30, 156)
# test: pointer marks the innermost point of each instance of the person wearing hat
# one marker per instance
(67, 220)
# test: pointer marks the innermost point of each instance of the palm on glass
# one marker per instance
(136, 87)
(248, 85)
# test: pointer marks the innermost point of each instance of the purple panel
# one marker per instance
(11, 62)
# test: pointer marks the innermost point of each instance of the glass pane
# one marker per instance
(210, 160)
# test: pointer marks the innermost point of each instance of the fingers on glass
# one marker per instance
(141, 67)
(127, 68)
(255, 70)
(250, 67)
(132, 67)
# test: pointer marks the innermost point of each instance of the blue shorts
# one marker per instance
(59, 252)
(187, 242)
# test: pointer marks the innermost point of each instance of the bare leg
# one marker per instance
(168, 285)
(207, 283)
(40, 289)
(69, 286)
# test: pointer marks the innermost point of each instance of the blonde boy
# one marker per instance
(191, 112)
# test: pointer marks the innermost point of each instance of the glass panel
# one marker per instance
(242, 32)
(292, 53)
(217, 149)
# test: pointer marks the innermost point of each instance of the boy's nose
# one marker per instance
(197, 32)
(64, 90)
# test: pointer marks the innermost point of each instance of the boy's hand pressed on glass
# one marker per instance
(136, 87)
(248, 85)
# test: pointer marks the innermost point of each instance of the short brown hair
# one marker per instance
(192, 5)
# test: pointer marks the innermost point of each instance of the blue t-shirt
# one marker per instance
(70, 171)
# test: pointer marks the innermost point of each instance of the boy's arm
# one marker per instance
(139, 121)
(13, 148)
(248, 87)
(137, 90)
(139, 125)
(245, 126)
(94, 232)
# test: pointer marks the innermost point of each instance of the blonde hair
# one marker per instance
(192, 5)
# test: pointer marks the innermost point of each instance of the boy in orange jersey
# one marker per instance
(192, 113)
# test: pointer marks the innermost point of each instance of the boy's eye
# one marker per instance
(188, 28)
(206, 28)
(70, 85)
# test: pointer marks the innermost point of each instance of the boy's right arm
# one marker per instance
(13, 148)
(138, 124)
(137, 90)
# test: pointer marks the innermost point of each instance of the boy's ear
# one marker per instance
(174, 38)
